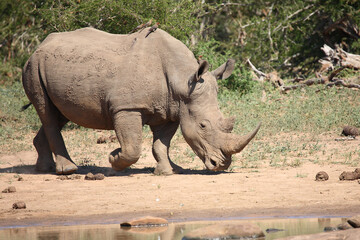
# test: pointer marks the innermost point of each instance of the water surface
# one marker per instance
(174, 231)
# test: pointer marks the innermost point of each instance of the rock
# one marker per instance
(273, 230)
(321, 176)
(330, 229)
(147, 221)
(62, 177)
(101, 140)
(74, 176)
(350, 131)
(349, 176)
(98, 176)
(344, 226)
(20, 178)
(69, 177)
(19, 205)
(354, 221)
(113, 138)
(10, 189)
(89, 176)
(226, 231)
(350, 234)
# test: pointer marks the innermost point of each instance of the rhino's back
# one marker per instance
(88, 72)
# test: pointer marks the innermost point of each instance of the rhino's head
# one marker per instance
(203, 125)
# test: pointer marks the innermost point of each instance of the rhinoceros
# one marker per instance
(122, 82)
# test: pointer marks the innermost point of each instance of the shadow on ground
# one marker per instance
(83, 170)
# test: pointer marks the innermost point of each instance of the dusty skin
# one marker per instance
(257, 190)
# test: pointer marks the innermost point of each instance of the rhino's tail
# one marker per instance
(23, 108)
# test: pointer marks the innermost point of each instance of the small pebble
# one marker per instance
(98, 176)
(321, 176)
(10, 189)
(349, 176)
(89, 176)
(19, 205)
(62, 177)
(101, 140)
(350, 131)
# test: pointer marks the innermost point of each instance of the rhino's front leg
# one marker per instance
(128, 129)
(161, 143)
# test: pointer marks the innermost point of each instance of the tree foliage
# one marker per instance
(283, 35)
(18, 34)
(120, 17)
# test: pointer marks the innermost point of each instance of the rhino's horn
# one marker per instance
(235, 143)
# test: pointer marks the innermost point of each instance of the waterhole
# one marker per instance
(273, 229)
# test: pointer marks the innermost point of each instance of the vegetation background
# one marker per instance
(281, 36)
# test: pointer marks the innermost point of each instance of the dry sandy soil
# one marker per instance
(259, 189)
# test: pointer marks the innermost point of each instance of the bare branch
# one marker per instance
(304, 84)
(261, 74)
(310, 15)
(342, 83)
(334, 73)
(285, 63)
(292, 15)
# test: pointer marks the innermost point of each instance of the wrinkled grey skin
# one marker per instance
(122, 82)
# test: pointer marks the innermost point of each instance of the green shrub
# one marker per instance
(241, 79)
(120, 17)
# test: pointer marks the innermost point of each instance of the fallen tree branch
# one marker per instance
(334, 73)
(258, 72)
(341, 82)
(304, 84)
(271, 77)
(339, 57)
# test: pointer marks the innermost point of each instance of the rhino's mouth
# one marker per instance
(217, 163)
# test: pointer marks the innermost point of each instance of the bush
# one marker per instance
(240, 81)
(283, 35)
(120, 17)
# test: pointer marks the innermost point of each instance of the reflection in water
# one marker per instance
(174, 231)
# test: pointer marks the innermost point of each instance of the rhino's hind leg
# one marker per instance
(161, 143)
(52, 121)
(45, 161)
(128, 129)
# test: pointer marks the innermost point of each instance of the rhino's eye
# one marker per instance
(204, 124)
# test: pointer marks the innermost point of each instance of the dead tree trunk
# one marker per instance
(338, 57)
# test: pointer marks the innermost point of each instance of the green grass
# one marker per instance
(313, 110)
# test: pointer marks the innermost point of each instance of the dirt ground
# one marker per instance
(260, 190)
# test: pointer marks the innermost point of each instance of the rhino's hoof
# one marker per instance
(62, 169)
(118, 167)
(160, 170)
(45, 169)
(163, 172)
(45, 165)
(118, 163)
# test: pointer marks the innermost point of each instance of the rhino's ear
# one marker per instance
(203, 68)
(225, 70)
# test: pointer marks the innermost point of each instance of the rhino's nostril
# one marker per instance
(213, 163)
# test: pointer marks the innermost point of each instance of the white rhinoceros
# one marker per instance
(121, 82)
